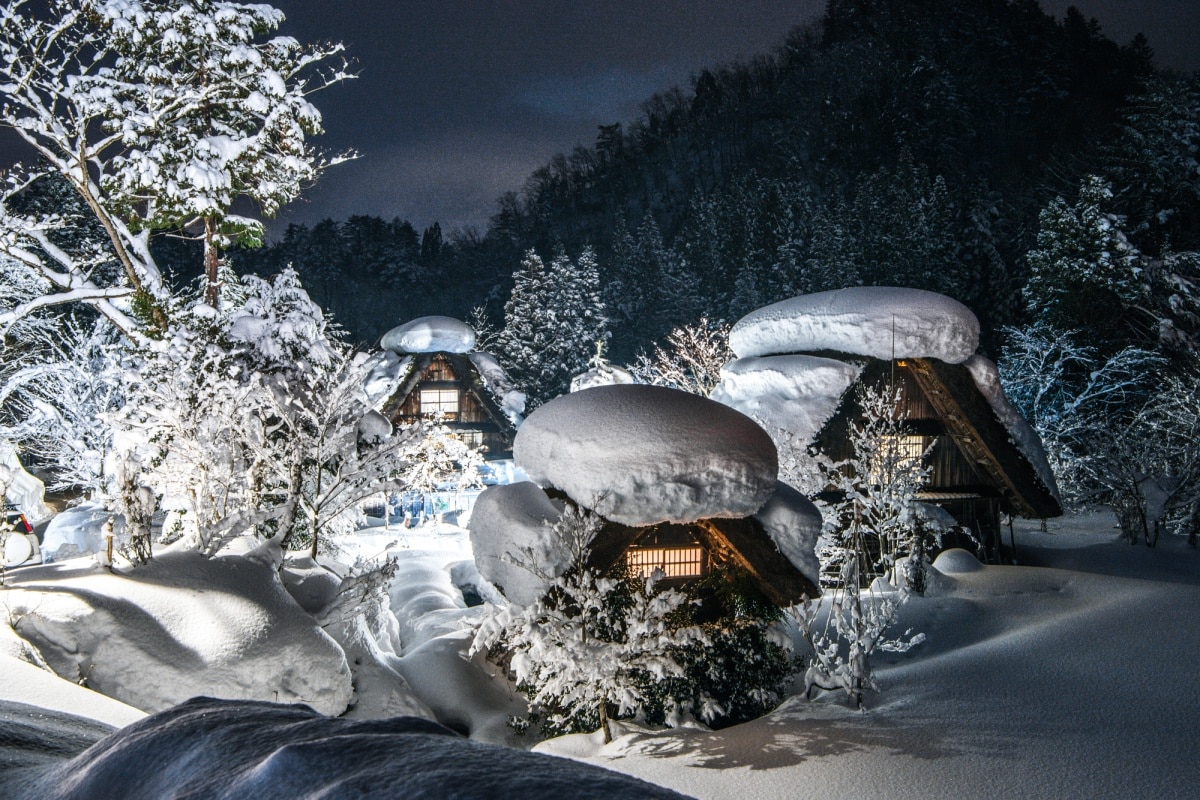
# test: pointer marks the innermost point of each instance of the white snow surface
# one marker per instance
(512, 541)
(21, 488)
(496, 381)
(75, 532)
(640, 454)
(22, 682)
(182, 625)
(430, 335)
(987, 379)
(385, 371)
(878, 321)
(794, 524)
(792, 394)
(233, 750)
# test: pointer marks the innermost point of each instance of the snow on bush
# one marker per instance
(430, 335)
(877, 321)
(182, 625)
(639, 455)
(385, 371)
(791, 395)
(224, 750)
(794, 524)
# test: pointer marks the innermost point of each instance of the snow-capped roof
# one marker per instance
(793, 523)
(430, 335)
(640, 455)
(513, 544)
(385, 371)
(497, 382)
(877, 321)
(793, 395)
(987, 379)
(602, 375)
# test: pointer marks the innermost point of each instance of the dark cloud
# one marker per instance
(458, 101)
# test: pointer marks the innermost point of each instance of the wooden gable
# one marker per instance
(448, 384)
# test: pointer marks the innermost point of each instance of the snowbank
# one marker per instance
(987, 379)
(793, 523)
(496, 381)
(221, 749)
(793, 394)
(24, 683)
(19, 487)
(639, 455)
(877, 321)
(510, 534)
(75, 532)
(180, 626)
(430, 335)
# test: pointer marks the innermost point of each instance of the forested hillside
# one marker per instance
(902, 142)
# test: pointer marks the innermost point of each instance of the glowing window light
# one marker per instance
(443, 401)
(675, 562)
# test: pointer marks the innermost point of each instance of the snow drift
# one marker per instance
(640, 455)
(511, 539)
(877, 321)
(182, 625)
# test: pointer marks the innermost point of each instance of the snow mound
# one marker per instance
(182, 625)
(511, 535)
(793, 394)
(75, 532)
(603, 375)
(430, 335)
(639, 454)
(222, 750)
(987, 380)
(877, 321)
(496, 381)
(793, 523)
(956, 561)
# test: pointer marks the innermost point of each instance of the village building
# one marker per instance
(801, 361)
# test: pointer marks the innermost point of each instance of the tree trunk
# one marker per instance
(212, 263)
(604, 722)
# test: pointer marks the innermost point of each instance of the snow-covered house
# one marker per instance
(429, 367)
(683, 485)
(799, 359)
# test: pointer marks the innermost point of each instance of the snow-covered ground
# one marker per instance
(1072, 675)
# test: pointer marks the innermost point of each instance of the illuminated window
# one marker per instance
(897, 455)
(675, 562)
(470, 438)
(444, 401)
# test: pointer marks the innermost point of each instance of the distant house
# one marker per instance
(428, 369)
(801, 360)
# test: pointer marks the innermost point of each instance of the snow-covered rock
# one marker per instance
(496, 381)
(430, 335)
(793, 523)
(793, 394)
(639, 454)
(987, 379)
(877, 321)
(223, 750)
(182, 625)
(512, 541)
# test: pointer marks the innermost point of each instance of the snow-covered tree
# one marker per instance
(158, 113)
(552, 321)
(691, 359)
(592, 644)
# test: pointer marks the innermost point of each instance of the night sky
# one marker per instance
(459, 100)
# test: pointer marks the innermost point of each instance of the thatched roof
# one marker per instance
(469, 376)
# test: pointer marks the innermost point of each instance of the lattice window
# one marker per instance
(675, 562)
(443, 401)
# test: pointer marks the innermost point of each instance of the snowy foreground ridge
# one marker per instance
(236, 750)
(876, 321)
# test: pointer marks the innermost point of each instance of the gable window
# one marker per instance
(439, 401)
(675, 562)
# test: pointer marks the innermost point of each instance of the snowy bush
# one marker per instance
(691, 360)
